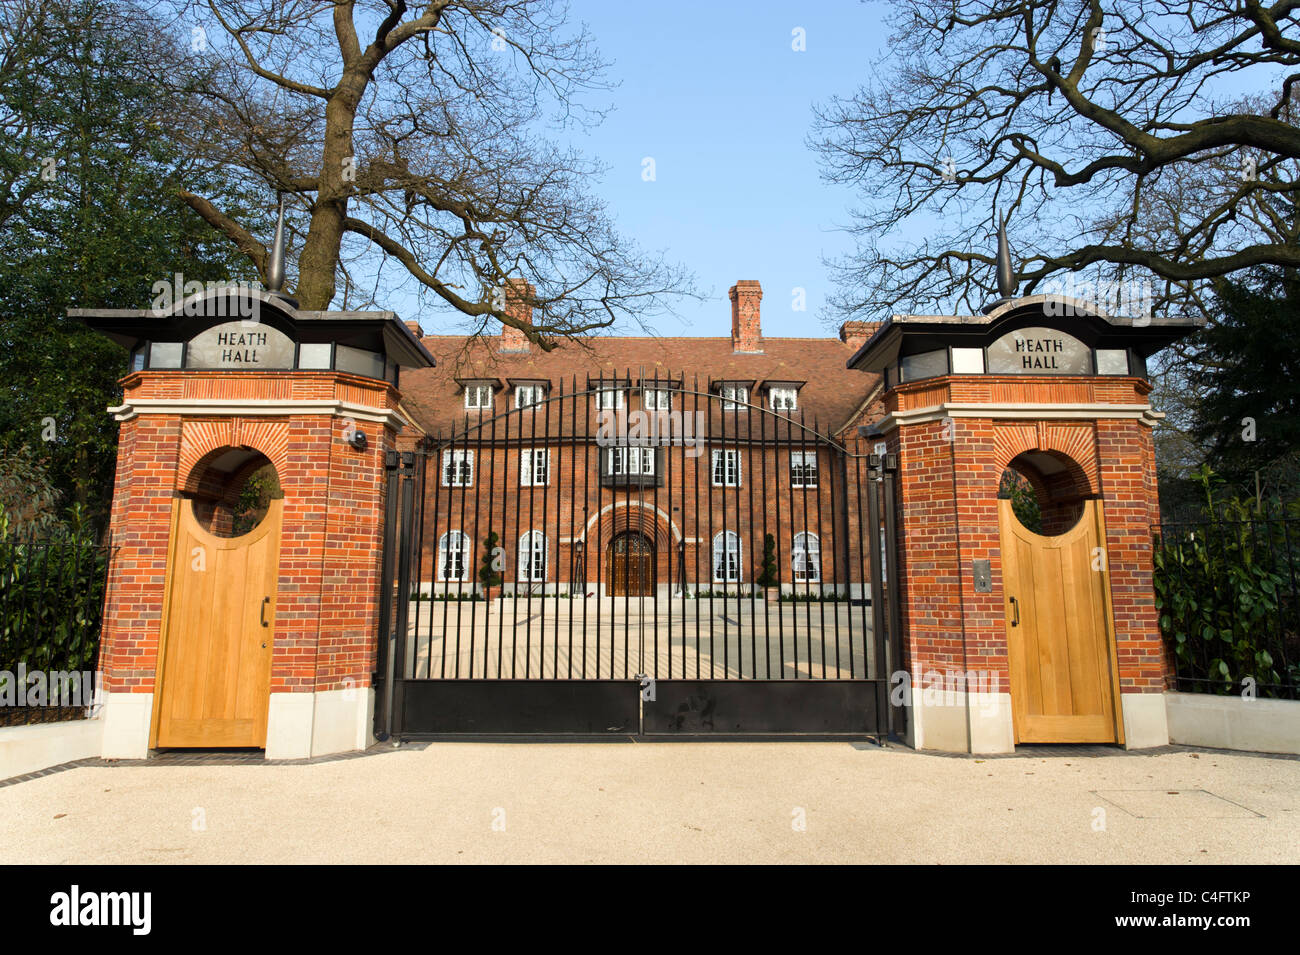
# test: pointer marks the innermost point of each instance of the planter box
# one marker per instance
(1230, 722)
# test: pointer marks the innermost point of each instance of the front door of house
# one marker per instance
(218, 629)
(631, 566)
(1060, 636)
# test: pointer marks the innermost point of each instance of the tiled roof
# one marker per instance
(831, 396)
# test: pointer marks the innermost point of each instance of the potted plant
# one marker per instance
(489, 575)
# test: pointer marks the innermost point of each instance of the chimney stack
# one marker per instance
(857, 334)
(518, 293)
(746, 331)
(415, 328)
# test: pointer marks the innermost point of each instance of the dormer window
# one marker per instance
(528, 395)
(478, 397)
(734, 396)
(784, 398)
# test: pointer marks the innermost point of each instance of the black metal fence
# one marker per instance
(1228, 600)
(51, 602)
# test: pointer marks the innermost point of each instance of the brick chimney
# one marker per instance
(518, 291)
(746, 331)
(415, 328)
(856, 334)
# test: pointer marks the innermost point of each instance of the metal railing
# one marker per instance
(51, 603)
(1228, 600)
(692, 537)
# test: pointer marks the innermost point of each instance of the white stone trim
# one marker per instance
(1033, 411)
(29, 749)
(344, 721)
(1145, 722)
(257, 406)
(1233, 722)
(289, 719)
(954, 721)
(302, 725)
(127, 718)
(672, 527)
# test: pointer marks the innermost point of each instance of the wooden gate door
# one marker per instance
(1060, 633)
(218, 629)
(631, 566)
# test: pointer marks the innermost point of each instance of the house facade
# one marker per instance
(640, 466)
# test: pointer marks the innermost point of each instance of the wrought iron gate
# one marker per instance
(757, 540)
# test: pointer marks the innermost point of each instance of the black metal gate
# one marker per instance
(763, 538)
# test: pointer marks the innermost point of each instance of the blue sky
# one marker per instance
(717, 96)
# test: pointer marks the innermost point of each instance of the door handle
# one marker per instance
(262, 612)
(1015, 611)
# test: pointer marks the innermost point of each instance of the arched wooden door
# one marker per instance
(218, 633)
(631, 565)
(1060, 632)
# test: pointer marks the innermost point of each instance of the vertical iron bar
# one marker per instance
(386, 657)
(894, 567)
(753, 563)
(394, 715)
(493, 450)
(776, 476)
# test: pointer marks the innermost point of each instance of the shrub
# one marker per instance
(1223, 595)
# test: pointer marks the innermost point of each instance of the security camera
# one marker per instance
(359, 440)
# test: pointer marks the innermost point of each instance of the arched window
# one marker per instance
(806, 558)
(726, 557)
(453, 556)
(532, 557)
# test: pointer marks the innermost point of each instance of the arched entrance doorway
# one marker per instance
(631, 565)
(1056, 584)
(219, 610)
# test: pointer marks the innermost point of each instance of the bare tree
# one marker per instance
(415, 138)
(1090, 123)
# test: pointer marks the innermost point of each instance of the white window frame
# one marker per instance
(732, 456)
(628, 460)
(605, 403)
(657, 399)
(800, 553)
(726, 545)
(532, 544)
(783, 399)
(799, 461)
(475, 392)
(531, 461)
(734, 397)
(463, 475)
(536, 393)
(445, 551)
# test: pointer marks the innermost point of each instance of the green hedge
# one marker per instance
(1225, 585)
(51, 601)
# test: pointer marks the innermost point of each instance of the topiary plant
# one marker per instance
(769, 577)
(488, 574)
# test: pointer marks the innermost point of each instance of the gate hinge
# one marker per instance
(647, 687)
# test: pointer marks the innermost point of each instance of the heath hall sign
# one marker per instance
(1039, 351)
(240, 345)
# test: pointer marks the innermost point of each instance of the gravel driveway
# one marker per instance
(664, 802)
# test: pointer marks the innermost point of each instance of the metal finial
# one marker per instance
(275, 267)
(1006, 275)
